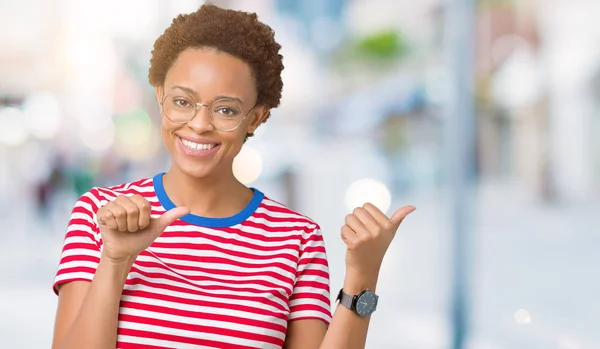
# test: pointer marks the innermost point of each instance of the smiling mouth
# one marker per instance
(197, 146)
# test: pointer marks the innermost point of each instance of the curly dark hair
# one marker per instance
(237, 33)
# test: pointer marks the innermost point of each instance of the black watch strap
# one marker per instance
(346, 299)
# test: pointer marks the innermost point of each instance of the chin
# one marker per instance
(194, 170)
(199, 168)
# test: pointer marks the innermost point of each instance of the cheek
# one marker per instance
(235, 141)
(166, 132)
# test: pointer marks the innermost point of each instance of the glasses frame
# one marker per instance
(210, 116)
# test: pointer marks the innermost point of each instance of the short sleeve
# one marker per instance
(310, 297)
(81, 246)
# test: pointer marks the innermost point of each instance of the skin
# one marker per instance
(209, 74)
(88, 311)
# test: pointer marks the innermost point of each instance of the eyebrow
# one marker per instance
(192, 92)
(185, 89)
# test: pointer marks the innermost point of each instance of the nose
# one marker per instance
(201, 122)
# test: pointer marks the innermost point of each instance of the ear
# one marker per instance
(159, 93)
(259, 115)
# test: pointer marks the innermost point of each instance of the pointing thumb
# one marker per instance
(169, 217)
(400, 214)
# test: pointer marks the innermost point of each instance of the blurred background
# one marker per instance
(485, 115)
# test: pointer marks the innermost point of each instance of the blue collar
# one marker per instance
(208, 222)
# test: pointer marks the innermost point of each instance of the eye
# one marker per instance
(227, 111)
(182, 103)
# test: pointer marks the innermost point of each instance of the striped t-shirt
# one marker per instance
(230, 282)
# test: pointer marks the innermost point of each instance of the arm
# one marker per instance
(367, 234)
(310, 302)
(79, 263)
(88, 312)
(93, 280)
(347, 330)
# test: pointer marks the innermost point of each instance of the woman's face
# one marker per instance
(204, 76)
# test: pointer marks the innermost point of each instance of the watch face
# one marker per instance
(366, 303)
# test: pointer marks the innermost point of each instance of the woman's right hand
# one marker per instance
(127, 227)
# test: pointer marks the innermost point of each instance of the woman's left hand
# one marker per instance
(368, 233)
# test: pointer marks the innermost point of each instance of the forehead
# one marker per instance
(212, 73)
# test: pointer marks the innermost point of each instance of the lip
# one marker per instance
(201, 153)
(198, 140)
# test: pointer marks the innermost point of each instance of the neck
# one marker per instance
(215, 196)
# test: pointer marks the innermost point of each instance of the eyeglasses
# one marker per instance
(226, 114)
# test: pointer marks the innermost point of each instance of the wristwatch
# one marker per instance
(363, 304)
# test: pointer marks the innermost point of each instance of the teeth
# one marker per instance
(197, 146)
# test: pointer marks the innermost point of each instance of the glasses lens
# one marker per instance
(179, 108)
(226, 114)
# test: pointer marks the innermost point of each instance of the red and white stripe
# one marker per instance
(198, 287)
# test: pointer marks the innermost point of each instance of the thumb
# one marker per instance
(169, 217)
(400, 214)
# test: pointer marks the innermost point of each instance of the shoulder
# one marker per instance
(283, 212)
(98, 196)
(279, 214)
(142, 186)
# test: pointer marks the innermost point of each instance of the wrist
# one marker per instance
(124, 263)
(354, 284)
(114, 272)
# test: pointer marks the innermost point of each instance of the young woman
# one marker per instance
(192, 258)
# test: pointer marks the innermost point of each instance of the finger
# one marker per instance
(367, 219)
(132, 212)
(107, 219)
(348, 235)
(162, 222)
(376, 213)
(119, 214)
(144, 209)
(355, 224)
(400, 214)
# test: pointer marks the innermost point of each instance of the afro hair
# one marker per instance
(237, 33)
